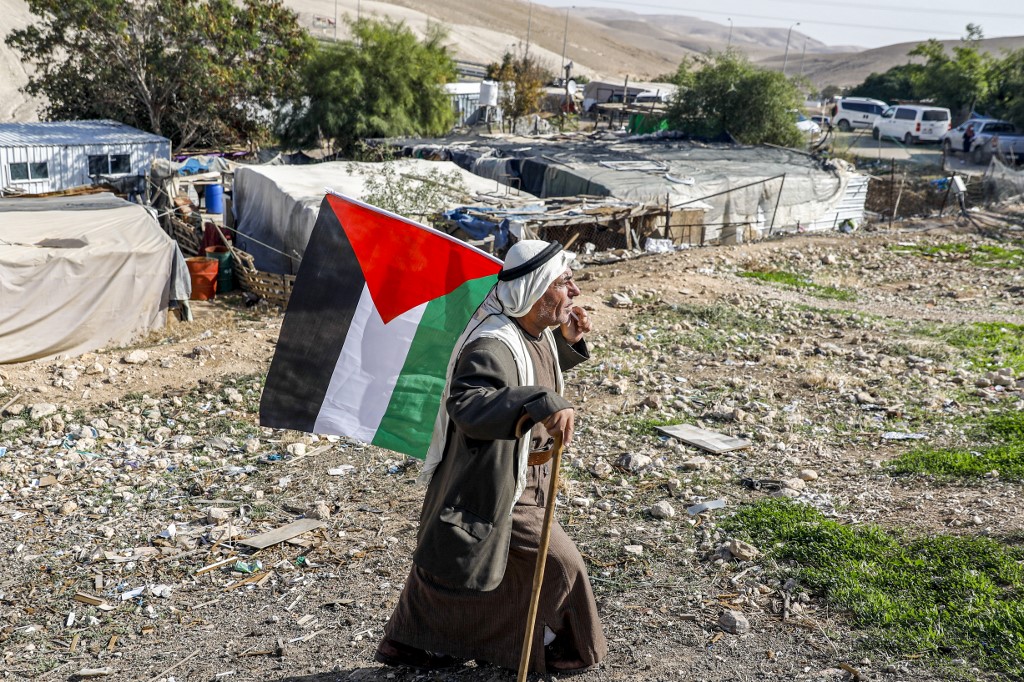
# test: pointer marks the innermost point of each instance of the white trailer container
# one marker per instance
(54, 156)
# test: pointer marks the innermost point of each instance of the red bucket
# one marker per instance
(203, 272)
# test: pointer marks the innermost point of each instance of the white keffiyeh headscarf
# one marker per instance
(518, 295)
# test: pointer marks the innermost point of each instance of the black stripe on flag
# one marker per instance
(326, 293)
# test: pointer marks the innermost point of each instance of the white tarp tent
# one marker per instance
(276, 207)
(79, 273)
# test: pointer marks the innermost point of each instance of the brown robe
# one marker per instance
(439, 615)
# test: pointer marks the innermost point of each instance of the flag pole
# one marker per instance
(542, 553)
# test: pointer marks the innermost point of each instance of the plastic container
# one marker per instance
(203, 272)
(214, 199)
(225, 268)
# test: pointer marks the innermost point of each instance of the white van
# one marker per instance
(855, 112)
(912, 123)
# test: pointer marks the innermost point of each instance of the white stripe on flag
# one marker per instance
(367, 371)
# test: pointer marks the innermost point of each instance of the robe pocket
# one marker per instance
(476, 526)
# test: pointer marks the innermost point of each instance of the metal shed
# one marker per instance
(54, 156)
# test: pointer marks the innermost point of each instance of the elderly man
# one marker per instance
(468, 593)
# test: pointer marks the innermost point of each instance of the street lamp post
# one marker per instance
(728, 45)
(785, 58)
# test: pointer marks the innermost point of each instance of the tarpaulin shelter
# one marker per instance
(749, 190)
(81, 272)
(275, 207)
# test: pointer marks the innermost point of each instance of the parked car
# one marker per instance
(912, 123)
(855, 112)
(990, 135)
(650, 97)
(822, 121)
(806, 125)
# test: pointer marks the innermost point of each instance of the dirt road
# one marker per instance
(125, 489)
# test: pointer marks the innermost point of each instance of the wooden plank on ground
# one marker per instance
(281, 534)
(712, 441)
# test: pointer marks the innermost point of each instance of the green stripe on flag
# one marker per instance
(408, 422)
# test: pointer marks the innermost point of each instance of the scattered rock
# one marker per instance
(12, 425)
(742, 550)
(136, 357)
(620, 301)
(601, 469)
(40, 410)
(695, 464)
(635, 550)
(865, 398)
(634, 462)
(808, 475)
(217, 515)
(319, 510)
(734, 622)
(662, 510)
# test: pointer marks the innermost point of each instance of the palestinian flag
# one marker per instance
(378, 305)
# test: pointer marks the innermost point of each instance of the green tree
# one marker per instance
(523, 80)
(1006, 92)
(959, 82)
(195, 71)
(898, 83)
(381, 83)
(728, 95)
(830, 91)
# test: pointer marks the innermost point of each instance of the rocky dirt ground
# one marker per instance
(128, 477)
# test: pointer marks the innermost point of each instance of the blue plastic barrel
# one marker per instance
(214, 199)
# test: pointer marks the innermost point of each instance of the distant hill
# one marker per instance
(847, 69)
(605, 43)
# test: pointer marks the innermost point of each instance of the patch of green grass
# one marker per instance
(1010, 255)
(796, 281)
(643, 426)
(989, 345)
(710, 328)
(1001, 448)
(945, 596)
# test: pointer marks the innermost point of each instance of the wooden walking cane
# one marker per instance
(542, 551)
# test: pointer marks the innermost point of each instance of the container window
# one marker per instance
(23, 171)
(97, 164)
(19, 171)
(120, 163)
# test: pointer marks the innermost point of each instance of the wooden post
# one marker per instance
(771, 228)
(542, 556)
(668, 217)
(892, 188)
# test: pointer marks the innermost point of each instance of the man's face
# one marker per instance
(554, 306)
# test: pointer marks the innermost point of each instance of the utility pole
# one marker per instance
(785, 58)
(529, 24)
(565, 36)
(335, 20)
(729, 44)
(802, 53)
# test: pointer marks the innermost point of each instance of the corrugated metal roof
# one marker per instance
(58, 133)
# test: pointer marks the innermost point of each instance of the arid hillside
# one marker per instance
(600, 42)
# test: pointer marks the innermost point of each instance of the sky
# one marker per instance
(844, 22)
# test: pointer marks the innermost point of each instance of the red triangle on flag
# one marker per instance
(405, 264)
